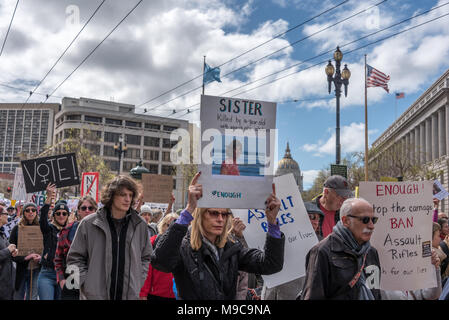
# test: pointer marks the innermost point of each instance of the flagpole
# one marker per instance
(395, 108)
(204, 68)
(366, 128)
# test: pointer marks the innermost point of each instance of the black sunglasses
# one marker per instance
(84, 208)
(30, 210)
(365, 220)
(64, 213)
(313, 217)
(216, 213)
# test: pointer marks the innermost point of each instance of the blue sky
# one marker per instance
(162, 43)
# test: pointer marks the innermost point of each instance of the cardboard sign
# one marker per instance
(238, 152)
(30, 240)
(403, 233)
(157, 187)
(438, 191)
(60, 170)
(19, 191)
(294, 223)
(90, 184)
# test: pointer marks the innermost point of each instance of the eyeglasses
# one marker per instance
(215, 213)
(64, 213)
(30, 210)
(313, 217)
(10, 209)
(365, 220)
(84, 208)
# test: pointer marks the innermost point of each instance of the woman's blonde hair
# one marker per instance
(197, 230)
(165, 219)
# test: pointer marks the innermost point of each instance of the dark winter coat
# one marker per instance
(50, 235)
(197, 273)
(330, 266)
(6, 270)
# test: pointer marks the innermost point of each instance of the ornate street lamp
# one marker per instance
(341, 77)
(120, 148)
(136, 172)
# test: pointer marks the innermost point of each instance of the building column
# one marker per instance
(411, 146)
(406, 148)
(442, 132)
(428, 122)
(434, 119)
(422, 144)
(417, 145)
(447, 129)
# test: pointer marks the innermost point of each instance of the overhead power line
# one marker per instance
(9, 27)
(93, 50)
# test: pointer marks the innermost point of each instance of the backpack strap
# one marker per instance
(358, 274)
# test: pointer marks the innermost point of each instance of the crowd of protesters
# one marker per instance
(122, 249)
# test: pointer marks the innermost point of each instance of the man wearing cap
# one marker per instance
(344, 266)
(335, 190)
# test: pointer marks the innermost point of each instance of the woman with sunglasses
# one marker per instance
(203, 260)
(48, 286)
(86, 206)
(27, 267)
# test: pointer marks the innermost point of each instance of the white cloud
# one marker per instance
(352, 139)
(309, 177)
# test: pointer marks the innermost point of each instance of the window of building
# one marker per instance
(128, 165)
(132, 139)
(111, 137)
(169, 128)
(132, 153)
(152, 167)
(168, 170)
(151, 141)
(112, 165)
(73, 117)
(166, 156)
(92, 134)
(133, 124)
(109, 151)
(71, 133)
(151, 155)
(94, 148)
(174, 184)
(152, 126)
(114, 122)
(167, 143)
(93, 119)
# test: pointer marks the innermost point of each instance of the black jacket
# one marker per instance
(336, 217)
(199, 276)
(330, 266)
(50, 235)
(21, 263)
(6, 270)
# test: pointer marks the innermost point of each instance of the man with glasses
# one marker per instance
(336, 190)
(336, 268)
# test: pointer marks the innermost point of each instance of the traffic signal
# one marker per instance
(9, 189)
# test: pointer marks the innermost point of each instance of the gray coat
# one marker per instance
(7, 271)
(91, 253)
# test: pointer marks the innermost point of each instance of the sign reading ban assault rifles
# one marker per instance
(60, 170)
(403, 234)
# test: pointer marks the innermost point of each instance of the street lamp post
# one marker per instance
(341, 77)
(120, 148)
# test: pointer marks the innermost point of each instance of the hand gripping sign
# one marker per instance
(89, 184)
(61, 170)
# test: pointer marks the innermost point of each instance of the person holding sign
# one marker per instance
(111, 251)
(27, 267)
(203, 260)
(339, 266)
(48, 286)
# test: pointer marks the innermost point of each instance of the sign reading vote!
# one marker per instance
(61, 170)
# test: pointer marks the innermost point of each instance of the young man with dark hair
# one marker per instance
(111, 249)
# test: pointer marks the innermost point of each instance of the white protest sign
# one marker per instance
(294, 223)
(238, 148)
(89, 184)
(19, 191)
(403, 233)
(438, 191)
(154, 206)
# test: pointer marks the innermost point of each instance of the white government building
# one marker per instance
(421, 133)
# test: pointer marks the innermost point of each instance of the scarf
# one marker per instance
(216, 251)
(359, 251)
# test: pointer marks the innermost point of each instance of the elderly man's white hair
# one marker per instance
(346, 207)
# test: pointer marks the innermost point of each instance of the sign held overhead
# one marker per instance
(61, 170)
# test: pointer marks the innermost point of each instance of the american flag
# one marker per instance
(375, 78)
(399, 95)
